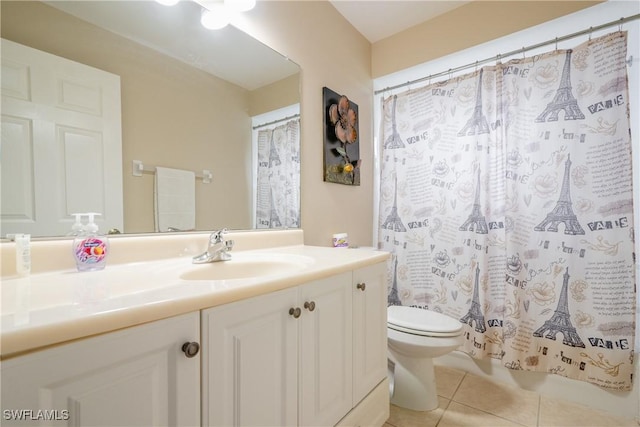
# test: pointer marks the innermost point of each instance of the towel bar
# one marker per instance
(138, 168)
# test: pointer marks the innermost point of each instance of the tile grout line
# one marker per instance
(452, 396)
(492, 414)
(443, 410)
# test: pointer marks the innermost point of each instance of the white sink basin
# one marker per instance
(243, 266)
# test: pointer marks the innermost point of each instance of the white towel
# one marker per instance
(175, 199)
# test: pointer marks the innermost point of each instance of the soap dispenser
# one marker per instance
(77, 228)
(89, 248)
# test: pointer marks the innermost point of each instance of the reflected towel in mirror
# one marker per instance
(175, 199)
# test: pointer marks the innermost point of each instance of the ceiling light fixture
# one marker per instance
(217, 14)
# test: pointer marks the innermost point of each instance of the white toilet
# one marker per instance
(415, 336)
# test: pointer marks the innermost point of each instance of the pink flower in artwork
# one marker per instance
(345, 120)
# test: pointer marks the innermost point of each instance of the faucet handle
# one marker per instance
(216, 235)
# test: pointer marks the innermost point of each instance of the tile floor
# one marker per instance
(470, 400)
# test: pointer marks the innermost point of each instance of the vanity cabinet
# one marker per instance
(369, 329)
(280, 359)
(301, 356)
(137, 376)
(250, 362)
(307, 355)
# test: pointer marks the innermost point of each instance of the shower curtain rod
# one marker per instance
(276, 121)
(513, 52)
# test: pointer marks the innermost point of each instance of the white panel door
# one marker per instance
(369, 329)
(61, 147)
(134, 377)
(250, 362)
(325, 351)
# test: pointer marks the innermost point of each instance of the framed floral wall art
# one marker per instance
(341, 140)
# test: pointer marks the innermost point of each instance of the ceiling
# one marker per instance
(378, 19)
(175, 31)
(171, 31)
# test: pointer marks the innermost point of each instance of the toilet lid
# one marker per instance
(417, 321)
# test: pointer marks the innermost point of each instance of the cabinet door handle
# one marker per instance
(310, 305)
(190, 348)
(295, 312)
(361, 286)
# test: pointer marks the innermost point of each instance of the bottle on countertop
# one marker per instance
(23, 254)
(90, 249)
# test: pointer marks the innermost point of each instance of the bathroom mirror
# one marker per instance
(188, 95)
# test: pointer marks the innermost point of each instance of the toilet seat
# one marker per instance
(416, 321)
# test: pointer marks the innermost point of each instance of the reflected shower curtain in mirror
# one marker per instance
(506, 201)
(278, 176)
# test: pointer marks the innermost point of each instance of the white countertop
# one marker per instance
(58, 306)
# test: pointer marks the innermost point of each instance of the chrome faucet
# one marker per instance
(218, 249)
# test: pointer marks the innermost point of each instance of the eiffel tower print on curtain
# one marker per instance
(564, 99)
(394, 298)
(477, 123)
(274, 218)
(274, 157)
(394, 141)
(476, 220)
(475, 311)
(560, 322)
(393, 221)
(563, 211)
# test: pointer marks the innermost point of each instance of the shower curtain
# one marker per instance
(278, 176)
(506, 201)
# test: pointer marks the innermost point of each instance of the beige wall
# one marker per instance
(472, 24)
(277, 95)
(333, 54)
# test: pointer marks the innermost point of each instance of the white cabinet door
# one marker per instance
(369, 329)
(61, 143)
(293, 357)
(325, 350)
(250, 362)
(134, 377)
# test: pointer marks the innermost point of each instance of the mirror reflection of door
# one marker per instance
(61, 143)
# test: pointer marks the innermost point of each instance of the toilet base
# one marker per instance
(414, 383)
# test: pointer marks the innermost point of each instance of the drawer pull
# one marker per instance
(310, 305)
(190, 348)
(361, 286)
(295, 312)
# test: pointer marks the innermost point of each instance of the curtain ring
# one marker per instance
(523, 57)
(449, 73)
(590, 32)
(556, 43)
(620, 26)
